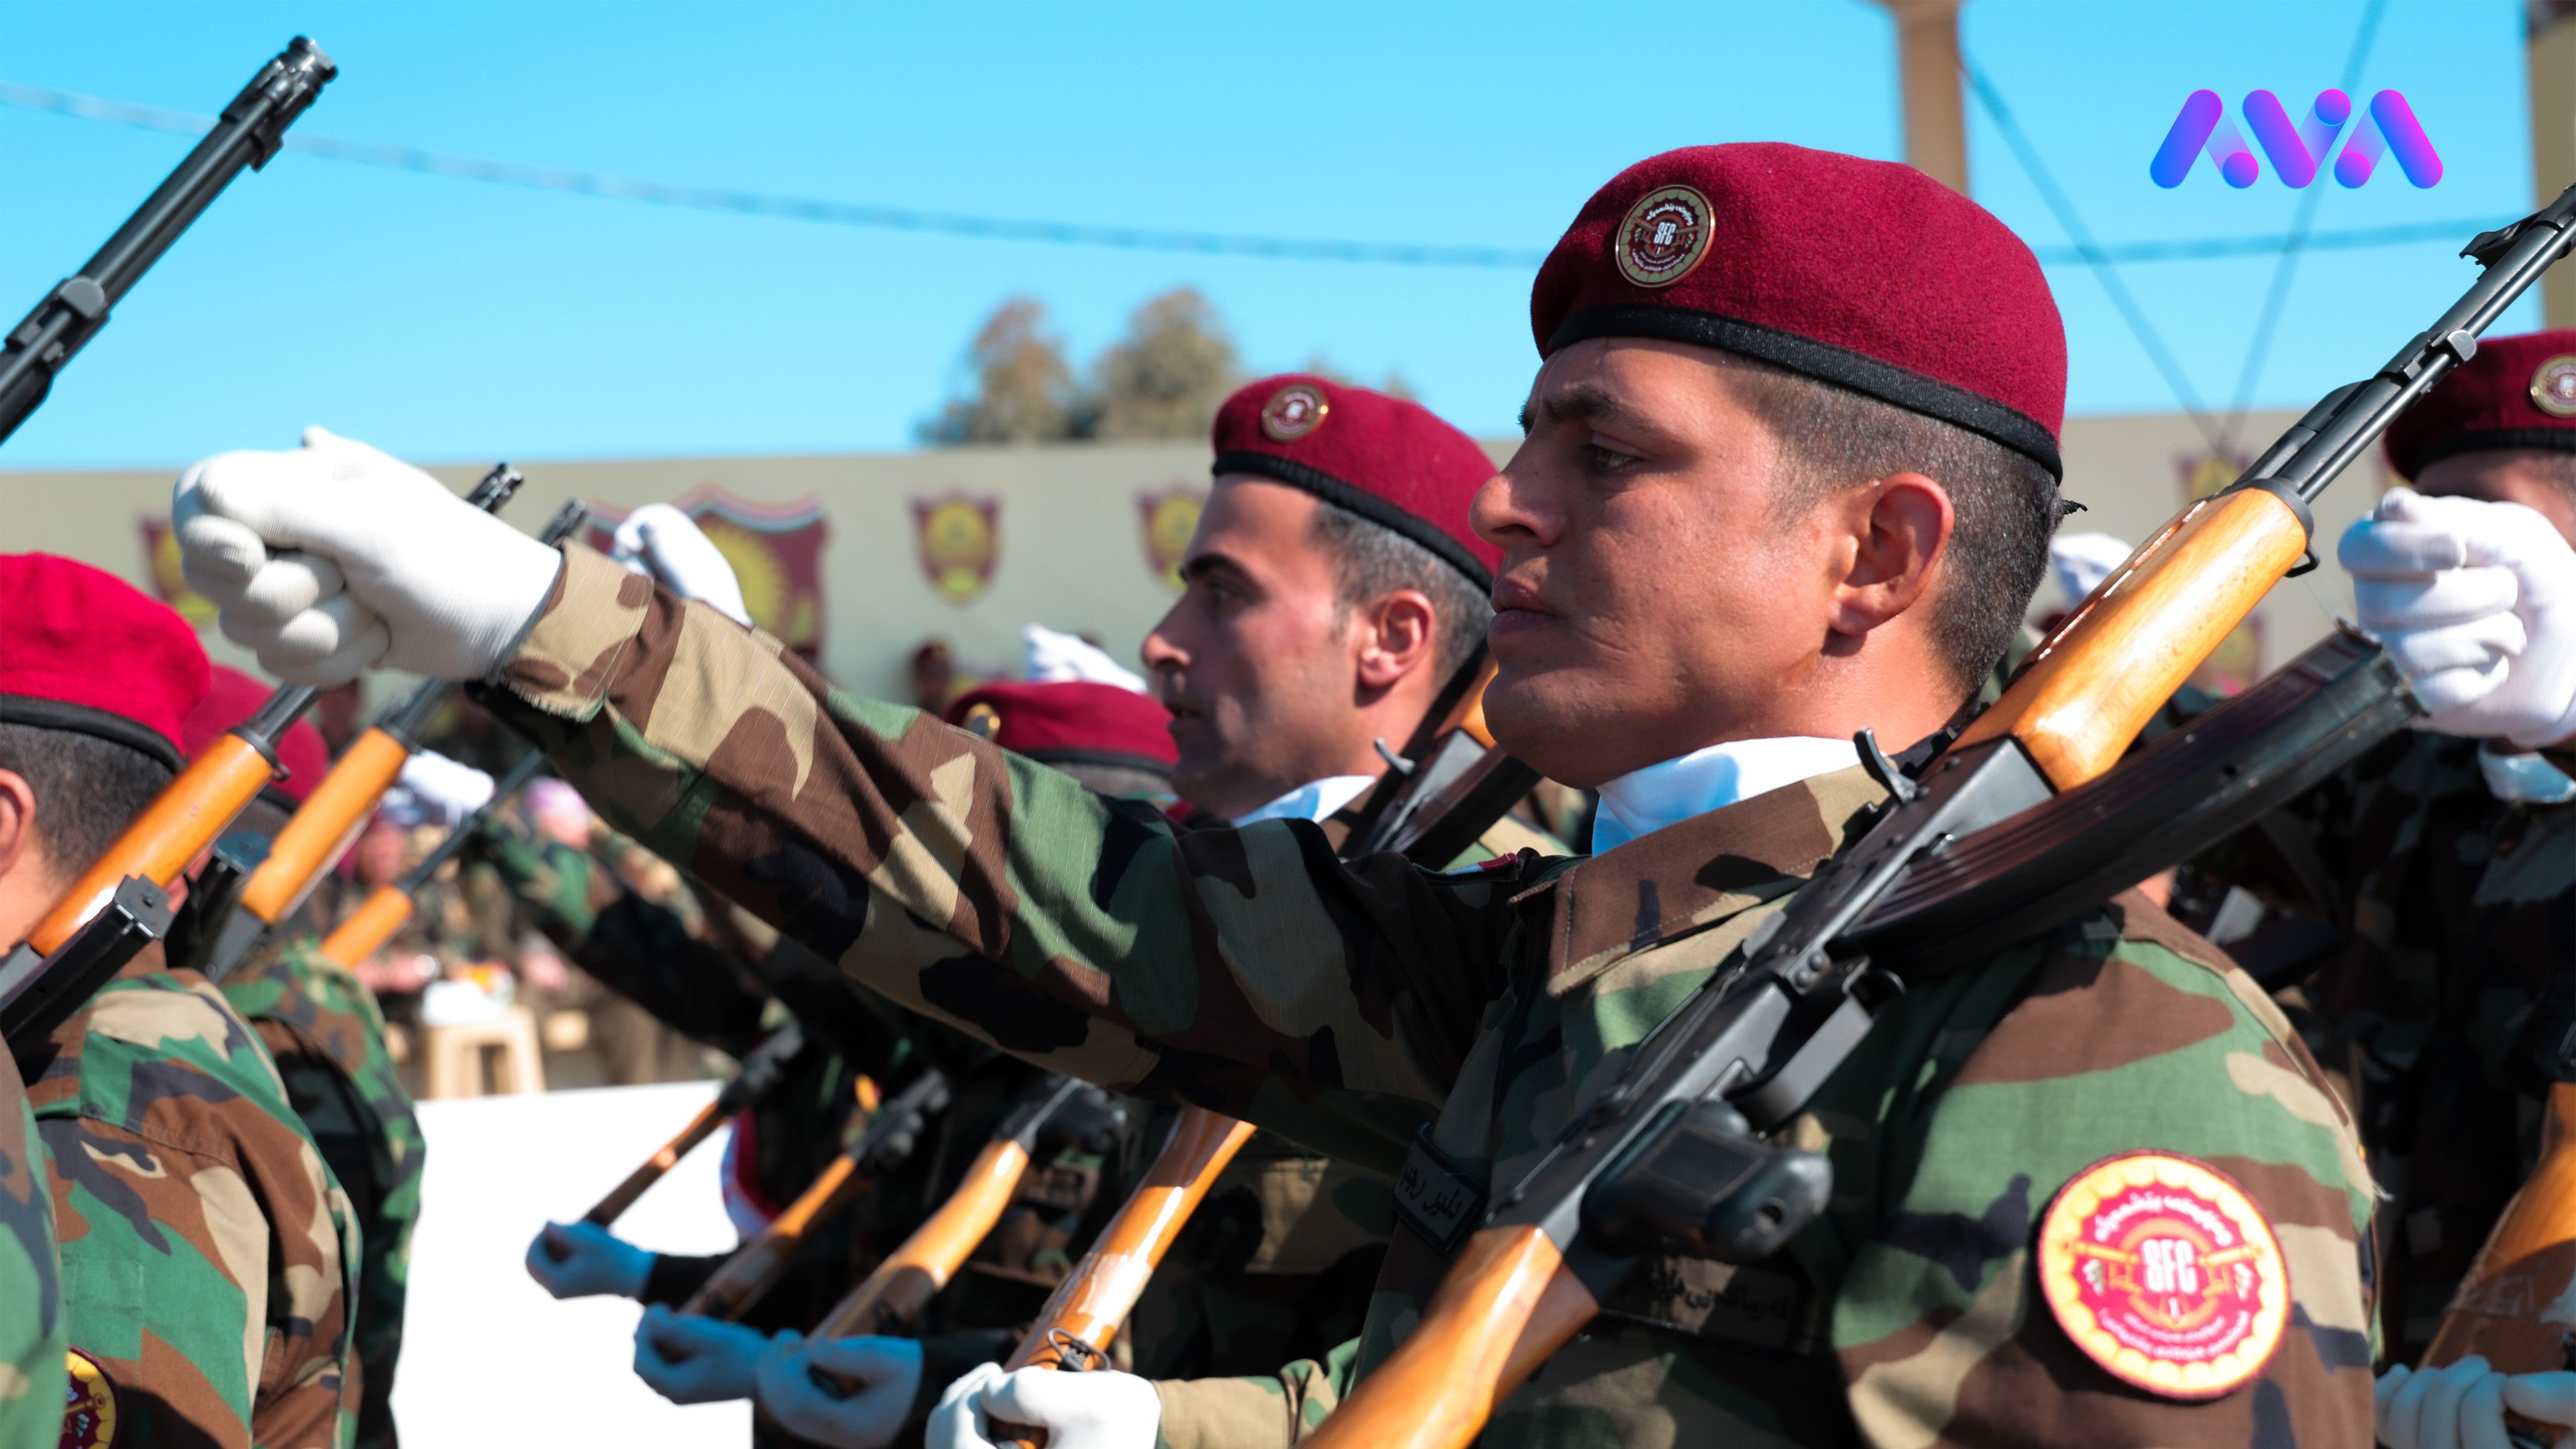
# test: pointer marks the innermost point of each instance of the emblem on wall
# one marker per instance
(161, 557)
(2206, 474)
(960, 539)
(1170, 517)
(776, 550)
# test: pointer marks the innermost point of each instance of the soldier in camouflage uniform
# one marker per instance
(2446, 869)
(205, 1247)
(1782, 481)
(31, 1293)
(327, 1035)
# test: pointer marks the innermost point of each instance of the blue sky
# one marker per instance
(453, 319)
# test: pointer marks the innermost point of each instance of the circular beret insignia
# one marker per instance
(89, 1404)
(2553, 386)
(1293, 412)
(983, 721)
(1664, 237)
(2165, 1273)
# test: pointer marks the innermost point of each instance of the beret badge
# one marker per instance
(1664, 237)
(1293, 412)
(2553, 386)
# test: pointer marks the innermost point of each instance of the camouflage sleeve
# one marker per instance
(1266, 1411)
(1953, 1327)
(1248, 971)
(31, 1295)
(204, 1246)
(640, 949)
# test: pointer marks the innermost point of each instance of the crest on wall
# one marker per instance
(2205, 474)
(776, 550)
(1170, 517)
(161, 559)
(960, 542)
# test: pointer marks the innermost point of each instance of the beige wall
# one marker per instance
(1072, 551)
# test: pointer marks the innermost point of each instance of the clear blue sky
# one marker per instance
(453, 319)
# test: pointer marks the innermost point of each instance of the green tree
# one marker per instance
(1168, 375)
(1023, 387)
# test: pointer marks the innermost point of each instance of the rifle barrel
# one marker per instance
(251, 130)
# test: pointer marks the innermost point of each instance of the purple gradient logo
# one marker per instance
(2297, 150)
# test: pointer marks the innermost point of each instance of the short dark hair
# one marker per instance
(1371, 561)
(2004, 505)
(87, 789)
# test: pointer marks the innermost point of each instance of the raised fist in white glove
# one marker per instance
(445, 790)
(1099, 1410)
(665, 545)
(2476, 601)
(1048, 657)
(801, 1384)
(692, 1359)
(583, 1260)
(334, 559)
(2463, 1405)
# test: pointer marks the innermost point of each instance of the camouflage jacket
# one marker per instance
(323, 1028)
(204, 1243)
(1349, 1005)
(2445, 986)
(31, 1290)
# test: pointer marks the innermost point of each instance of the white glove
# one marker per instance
(692, 1359)
(887, 1372)
(334, 559)
(2460, 1406)
(2548, 1398)
(1097, 1410)
(444, 790)
(582, 1260)
(2476, 601)
(2081, 561)
(1048, 657)
(667, 546)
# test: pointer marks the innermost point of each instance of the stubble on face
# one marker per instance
(1650, 600)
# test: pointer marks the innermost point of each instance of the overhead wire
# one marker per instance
(1062, 233)
(2258, 348)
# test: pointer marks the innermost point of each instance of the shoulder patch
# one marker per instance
(89, 1404)
(2164, 1272)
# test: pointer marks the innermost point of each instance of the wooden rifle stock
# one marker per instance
(665, 1157)
(319, 830)
(2069, 716)
(186, 817)
(373, 923)
(758, 1264)
(1084, 1312)
(2507, 1307)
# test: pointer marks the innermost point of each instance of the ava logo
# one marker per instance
(2298, 150)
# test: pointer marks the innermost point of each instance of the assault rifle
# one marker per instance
(1450, 785)
(763, 1068)
(890, 1137)
(251, 131)
(1671, 1152)
(119, 904)
(252, 886)
(365, 930)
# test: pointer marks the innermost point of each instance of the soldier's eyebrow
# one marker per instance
(1201, 566)
(1592, 404)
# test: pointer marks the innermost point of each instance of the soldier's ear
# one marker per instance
(18, 844)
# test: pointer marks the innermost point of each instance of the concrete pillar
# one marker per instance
(1927, 68)
(2551, 53)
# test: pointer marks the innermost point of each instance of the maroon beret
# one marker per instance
(2517, 392)
(1866, 274)
(236, 697)
(83, 650)
(1071, 722)
(1391, 462)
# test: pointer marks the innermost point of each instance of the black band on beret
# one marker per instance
(1367, 505)
(2433, 450)
(1825, 362)
(55, 714)
(1120, 759)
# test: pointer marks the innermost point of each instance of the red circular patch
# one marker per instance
(1293, 412)
(89, 1404)
(2553, 387)
(2164, 1272)
(1664, 237)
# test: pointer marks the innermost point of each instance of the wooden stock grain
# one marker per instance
(324, 824)
(612, 1207)
(1471, 710)
(893, 1294)
(1091, 1303)
(758, 1264)
(2507, 1305)
(182, 821)
(1504, 1307)
(2088, 691)
(368, 927)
